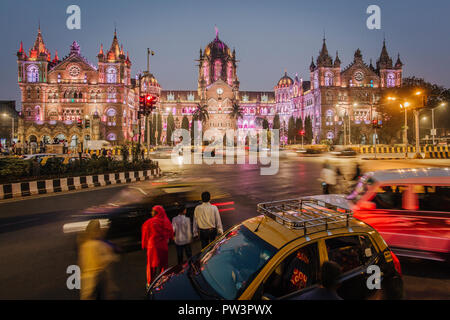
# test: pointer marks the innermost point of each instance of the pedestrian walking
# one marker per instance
(328, 178)
(207, 222)
(156, 233)
(183, 235)
(95, 259)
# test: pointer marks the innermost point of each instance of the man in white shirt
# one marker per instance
(207, 222)
(183, 235)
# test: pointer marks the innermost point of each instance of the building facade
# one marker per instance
(59, 97)
(71, 99)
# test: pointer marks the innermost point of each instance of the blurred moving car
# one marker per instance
(123, 223)
(410, 208)
(278, 255)
(349, 152)
(309, 152)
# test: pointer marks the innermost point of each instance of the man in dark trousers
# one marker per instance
(207, 222)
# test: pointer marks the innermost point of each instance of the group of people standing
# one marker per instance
(158, 231)
(96, 254)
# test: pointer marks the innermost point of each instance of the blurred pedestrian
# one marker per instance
(328, 178)
(358, 173)
(183, 235)
(33, 146)
(207, 221)
(156, 233)
(18, 146)
(329, 283)
(95, 259)
(341, 182)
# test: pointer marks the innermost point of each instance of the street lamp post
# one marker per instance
(433, 130)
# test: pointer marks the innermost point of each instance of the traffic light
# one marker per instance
(150, 102)
(302, 132)
(79, 123)
(87, 123)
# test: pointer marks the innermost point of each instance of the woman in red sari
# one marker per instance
(156, 233)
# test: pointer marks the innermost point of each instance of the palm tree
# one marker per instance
(236, 112)
(201, 113)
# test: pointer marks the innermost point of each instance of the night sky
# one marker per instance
(269, 36)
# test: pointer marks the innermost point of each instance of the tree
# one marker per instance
(276, 122)
(298, 128)
(153, 130)
(201, 113)
(394, 117)
(308, 130)
(159, 127)
(291, 130)
(185, 123)
(236, 112)
(170, 128)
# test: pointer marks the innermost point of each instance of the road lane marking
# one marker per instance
(142, 191)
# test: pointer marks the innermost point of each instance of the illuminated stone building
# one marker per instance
(72, 99)
(59, 97)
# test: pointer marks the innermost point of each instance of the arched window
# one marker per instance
(111, 93)
(33, 73)
(111, 137)
(328, 79)
(390, 80)
(111, 75)
(111, 117)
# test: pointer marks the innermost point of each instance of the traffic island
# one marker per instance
(49, 186)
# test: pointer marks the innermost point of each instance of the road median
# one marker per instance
(38, 187)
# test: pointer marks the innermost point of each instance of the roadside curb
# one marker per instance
(30, 188)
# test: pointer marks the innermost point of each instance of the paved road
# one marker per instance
(36, 252)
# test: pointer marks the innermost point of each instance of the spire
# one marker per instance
(384, 62)
(399, 63)
(100, 53)
(75, 48)
(358, 55)
(337, 61)
(56, 59)
(217, 32)
(39, 45)
(312, 66)
(324, 59)
(371, 66)
(114, 51)
(21, 47)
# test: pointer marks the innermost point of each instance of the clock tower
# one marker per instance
(218, 84)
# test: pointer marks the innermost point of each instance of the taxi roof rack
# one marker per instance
(305, 213)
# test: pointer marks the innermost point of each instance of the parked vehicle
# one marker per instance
(278, 255)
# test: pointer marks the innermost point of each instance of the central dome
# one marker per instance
(217, 48)
(285, 81)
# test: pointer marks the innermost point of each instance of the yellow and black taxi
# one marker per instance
(278, 255)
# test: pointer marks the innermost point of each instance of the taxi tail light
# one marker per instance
(397, 265)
